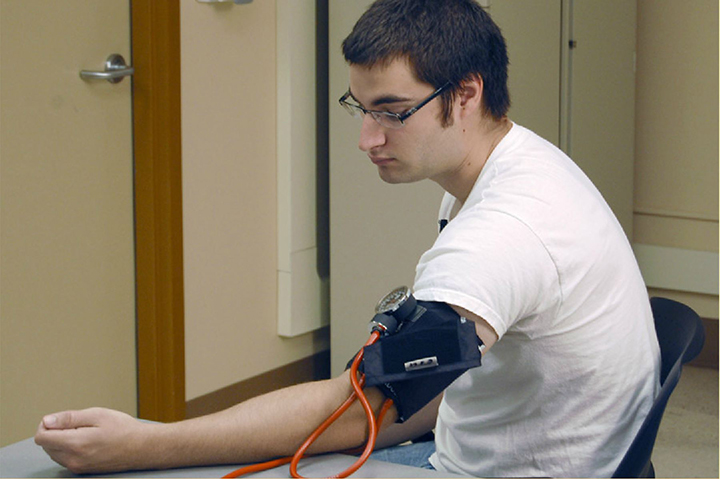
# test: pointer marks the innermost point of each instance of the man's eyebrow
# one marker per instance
(383, 100)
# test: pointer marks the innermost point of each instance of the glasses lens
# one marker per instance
(388, 120)
(354, 110)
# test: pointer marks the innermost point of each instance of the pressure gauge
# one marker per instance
(398, 303)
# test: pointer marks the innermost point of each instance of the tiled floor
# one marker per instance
(687, 443)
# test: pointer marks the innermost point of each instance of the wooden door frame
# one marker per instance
(158, 209)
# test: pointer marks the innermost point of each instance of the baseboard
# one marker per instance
(708, 357)
(312, 368)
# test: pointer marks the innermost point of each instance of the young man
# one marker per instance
(530, 252)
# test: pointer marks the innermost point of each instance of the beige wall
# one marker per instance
(229, 196)
(676, 148)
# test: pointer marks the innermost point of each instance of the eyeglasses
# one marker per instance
(388, 119)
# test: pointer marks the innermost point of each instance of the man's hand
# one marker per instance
(91, 440)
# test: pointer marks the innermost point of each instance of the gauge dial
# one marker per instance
(393, 300)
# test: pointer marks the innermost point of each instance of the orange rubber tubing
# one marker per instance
(373, 428)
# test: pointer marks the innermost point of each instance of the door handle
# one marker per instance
(115, 70)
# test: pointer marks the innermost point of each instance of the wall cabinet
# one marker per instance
(572, 81)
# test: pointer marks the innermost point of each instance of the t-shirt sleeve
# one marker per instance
(490, 263)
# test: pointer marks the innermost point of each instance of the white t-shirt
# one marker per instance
(537, 253)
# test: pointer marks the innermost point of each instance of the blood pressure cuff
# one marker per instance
(427, 353)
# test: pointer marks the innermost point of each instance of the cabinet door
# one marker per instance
(532, 29)
(582, 98)
(601, 106)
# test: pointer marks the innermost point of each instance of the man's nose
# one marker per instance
(371, 134)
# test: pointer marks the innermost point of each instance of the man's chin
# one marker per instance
(395, 179)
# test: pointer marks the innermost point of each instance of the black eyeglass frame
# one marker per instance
(400, 117)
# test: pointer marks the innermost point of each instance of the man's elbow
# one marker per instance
(351, 428)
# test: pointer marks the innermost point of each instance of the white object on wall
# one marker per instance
(678, 269)
(299, 285)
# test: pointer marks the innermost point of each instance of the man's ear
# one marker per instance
(470, 95)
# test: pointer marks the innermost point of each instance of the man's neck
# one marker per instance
(460, 182)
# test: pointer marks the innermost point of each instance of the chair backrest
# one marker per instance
(681, 336)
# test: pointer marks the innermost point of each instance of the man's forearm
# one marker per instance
(267, 426)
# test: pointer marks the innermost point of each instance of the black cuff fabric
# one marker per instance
(423, 358)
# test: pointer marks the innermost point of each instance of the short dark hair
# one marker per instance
(443, 40)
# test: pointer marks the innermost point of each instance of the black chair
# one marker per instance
(681, 336)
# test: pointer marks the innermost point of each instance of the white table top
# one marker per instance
(26, 459)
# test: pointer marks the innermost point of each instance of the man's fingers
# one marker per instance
(50, 421)
(71, 419)
(61, 420)
(64, 443)
(57, 438)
